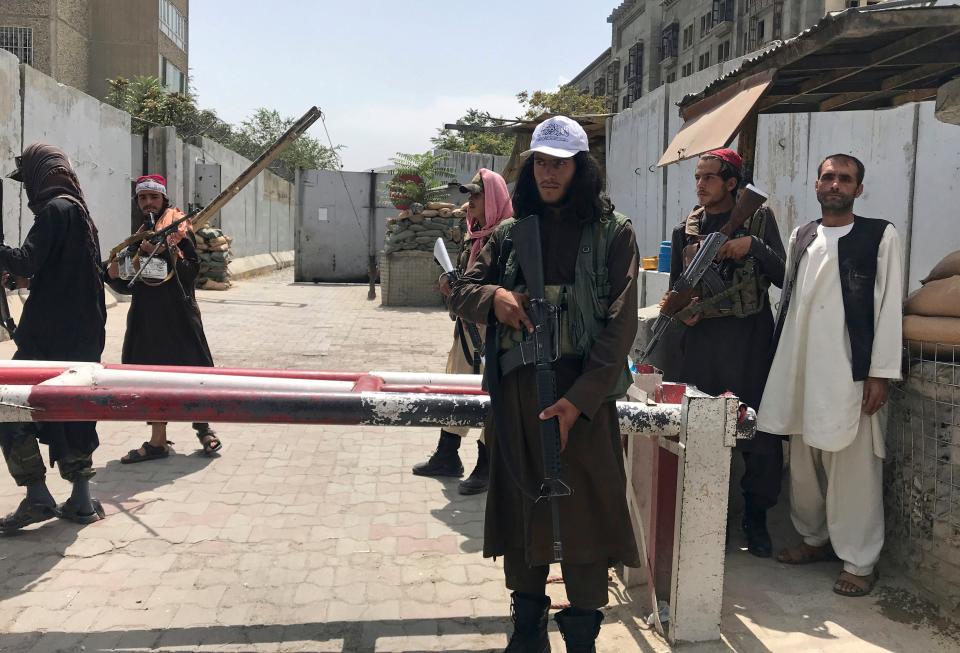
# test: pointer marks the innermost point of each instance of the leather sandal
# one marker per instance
(27, 513)
(150, 452)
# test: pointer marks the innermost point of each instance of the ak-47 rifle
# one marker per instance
(476, 358)
(5, 318)
(200, 217)
(545, 345)
(702, 269)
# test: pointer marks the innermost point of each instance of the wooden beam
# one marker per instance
(495, 129)
(905, 46)
(817, 63)
(889, 84)
(747, 143)
(916, 95)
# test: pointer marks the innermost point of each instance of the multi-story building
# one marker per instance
(82, 43)
(659, 41)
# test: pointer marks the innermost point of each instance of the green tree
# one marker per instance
(475, 141)
(150, 104)
(566, 100)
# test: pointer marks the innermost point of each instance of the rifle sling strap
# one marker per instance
(523, 354)
(491, 378)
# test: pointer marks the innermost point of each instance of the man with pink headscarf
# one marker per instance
(489, 204)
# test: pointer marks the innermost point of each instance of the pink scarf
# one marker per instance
(496, 208)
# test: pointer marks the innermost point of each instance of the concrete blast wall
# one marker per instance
(35, 108)
(10, 139)
(259, 219)
(910, 158)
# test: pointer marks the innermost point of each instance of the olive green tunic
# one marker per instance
(595, 524)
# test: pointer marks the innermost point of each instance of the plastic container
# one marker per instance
(664, 259)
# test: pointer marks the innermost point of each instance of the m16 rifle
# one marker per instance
(703, 272)
(476, 358)
(544, 344)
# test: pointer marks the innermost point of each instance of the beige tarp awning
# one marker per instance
(714, 121)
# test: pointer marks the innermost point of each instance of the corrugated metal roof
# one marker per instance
(887, 55)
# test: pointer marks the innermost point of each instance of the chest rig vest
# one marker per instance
(583, 306)
(746, 289)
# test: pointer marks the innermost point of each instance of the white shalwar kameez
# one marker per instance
(836, 450)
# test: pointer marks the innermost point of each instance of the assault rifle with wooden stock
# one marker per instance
(200, 217)
(702, 270)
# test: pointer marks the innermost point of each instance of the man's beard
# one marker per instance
(836, 204)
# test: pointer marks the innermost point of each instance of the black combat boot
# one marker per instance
(529, 613)
(754, 526)
(579, 629)
(445, 461)
(480, 476)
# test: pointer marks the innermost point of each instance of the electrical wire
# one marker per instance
(343, 180)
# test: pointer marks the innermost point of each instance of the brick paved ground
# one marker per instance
(319, 539)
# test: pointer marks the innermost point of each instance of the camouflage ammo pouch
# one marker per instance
(746, 291)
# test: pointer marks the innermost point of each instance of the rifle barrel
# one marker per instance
(296, 130)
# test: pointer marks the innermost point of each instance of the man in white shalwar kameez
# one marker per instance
(838, 340)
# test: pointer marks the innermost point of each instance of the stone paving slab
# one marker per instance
(318, 538)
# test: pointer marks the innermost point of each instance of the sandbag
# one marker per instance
(214, 242)
(949, 266)
(944, 330)
(458, 213)
(446, 213)
(440, 205)
(937, 298)
(430, 213)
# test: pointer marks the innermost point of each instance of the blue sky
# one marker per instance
(386, 74)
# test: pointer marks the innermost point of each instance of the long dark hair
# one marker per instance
(585, 194)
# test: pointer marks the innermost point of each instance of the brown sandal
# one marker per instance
(861, 585)
(804, 554)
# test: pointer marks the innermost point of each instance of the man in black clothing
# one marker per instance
(163, 324)
(63, 319)
(725, 347)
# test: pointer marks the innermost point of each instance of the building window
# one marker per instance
(19, 41)
(171, 77)
(669, 41)
(687, 36)
(613, 78)
(704, 61)
(687, 69)
(723, 51)
(635, 79)
(723, 11)
(600, 87)
(626, 102)
(706, 24)
(761, 29)
(671, 77)
(173, 24)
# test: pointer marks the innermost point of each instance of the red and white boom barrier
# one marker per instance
(682, 466)
(42, 391)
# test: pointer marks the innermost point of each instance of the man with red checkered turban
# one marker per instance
(726, 342)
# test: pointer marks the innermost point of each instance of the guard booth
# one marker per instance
(867, 59)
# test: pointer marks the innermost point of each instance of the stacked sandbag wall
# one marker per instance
(213, 248)
(408, 271)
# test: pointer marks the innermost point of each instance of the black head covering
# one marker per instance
(46, 173)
